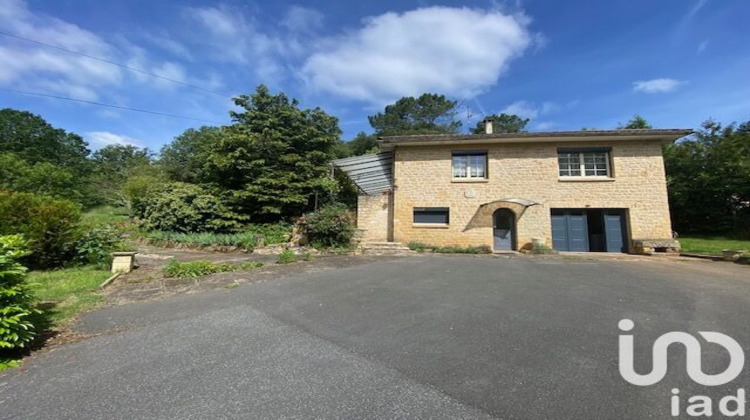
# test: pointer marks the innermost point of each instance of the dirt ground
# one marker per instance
(147, 282)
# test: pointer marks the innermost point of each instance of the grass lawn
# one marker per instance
(65, 293)
(711, 245)
(104, 215)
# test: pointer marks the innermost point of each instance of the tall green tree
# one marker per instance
(42, 178)
(428, 114)
(503, 123)
(34, 140)
(273, 161)
(637, 122)
(113, 165)
(184, 157)
(708, 176)
(363, 144)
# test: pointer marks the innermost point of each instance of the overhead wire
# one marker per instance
(165, 114)
(125, 66)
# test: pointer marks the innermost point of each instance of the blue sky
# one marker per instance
(565, 65)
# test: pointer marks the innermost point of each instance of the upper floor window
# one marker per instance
(469, 164)
(586, 162)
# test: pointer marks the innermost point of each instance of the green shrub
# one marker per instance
(95, 246)
(48, 224)
(16, 329)
(541, 249)
(183, 207)
(287, 256)
(330, 226)
(273, 233)
(181, 269)
(420, 247)
(483, 249)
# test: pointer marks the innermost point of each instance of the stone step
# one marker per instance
(383, 244)
(384, 248)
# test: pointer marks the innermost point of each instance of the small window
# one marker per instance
(431, 215)
(584, 163)
(469, 165)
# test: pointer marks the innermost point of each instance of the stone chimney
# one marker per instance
(488, 126)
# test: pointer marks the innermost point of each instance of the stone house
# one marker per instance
(591, 190)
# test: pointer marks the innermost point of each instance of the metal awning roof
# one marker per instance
(372, 174)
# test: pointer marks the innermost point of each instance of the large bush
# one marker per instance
(330, 226)
(48, 224)
(16, 330)
(95, 246)
(181, 207)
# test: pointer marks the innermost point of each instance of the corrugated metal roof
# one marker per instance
(372, 174)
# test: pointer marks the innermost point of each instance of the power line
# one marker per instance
(115, 64)
(110, 105)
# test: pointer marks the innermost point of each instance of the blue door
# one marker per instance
(614, 232)
(560, 232)
(578, 232)
(503, 226)
(570, 231)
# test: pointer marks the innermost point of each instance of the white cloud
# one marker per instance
(529, 110)
(656, 85)
(45, 69)
(31, 66)
(219, 21)
(453, 51)
(99, 139)
(302, 19)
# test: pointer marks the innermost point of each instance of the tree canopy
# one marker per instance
(34, 140)
(273, 160)
(503, 123)
(183, 159)
(708, 177)
(637, 122)
(428, 114)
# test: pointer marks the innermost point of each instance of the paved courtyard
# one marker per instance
(415, 337)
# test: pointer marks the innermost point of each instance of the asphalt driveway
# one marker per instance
(415, 337)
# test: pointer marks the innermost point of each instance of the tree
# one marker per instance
(113, 165)
(273, 161)
(183, 159)
(637, 122)
(363, 144)
(40, 178)
(708, 176)
(32, 139)
(428, 114)
(503, 123)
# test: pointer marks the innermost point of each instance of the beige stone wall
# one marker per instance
(423, 179)
(373, 216)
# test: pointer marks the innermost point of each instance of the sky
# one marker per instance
(565, 65)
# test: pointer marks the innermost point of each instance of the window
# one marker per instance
(592, 162)
(470, 165)
(431, 215)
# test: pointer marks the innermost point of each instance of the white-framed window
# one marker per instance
(468, 165)
(584, 163)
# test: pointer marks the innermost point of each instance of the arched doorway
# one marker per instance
(504, 230)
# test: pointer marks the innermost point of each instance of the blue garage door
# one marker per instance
(614, 231)
(570, 231)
